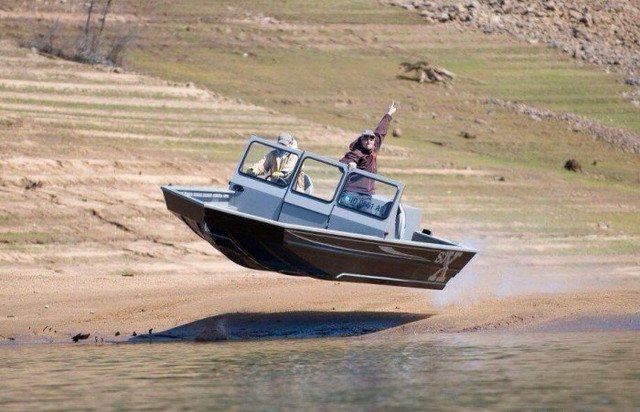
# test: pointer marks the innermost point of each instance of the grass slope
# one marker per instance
(337, 63)
(322, 67)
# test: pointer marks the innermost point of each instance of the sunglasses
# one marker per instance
(368, 137)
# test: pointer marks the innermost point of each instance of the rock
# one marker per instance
(81, 336)
(586, 19)
(575, 14)
(29, 184)
(633, 81)
(495, 20)
(468, 135)
(397, 132)
(573, 165)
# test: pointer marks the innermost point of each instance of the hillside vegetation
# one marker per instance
(335, 65)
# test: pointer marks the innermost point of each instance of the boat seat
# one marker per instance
(308, 184)
(401, 222)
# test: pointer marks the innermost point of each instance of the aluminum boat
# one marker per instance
(313, 221)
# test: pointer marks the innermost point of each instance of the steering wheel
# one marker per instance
(280, 181)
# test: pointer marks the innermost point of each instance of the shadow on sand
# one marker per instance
(283, 325)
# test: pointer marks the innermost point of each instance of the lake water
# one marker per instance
(488, 371)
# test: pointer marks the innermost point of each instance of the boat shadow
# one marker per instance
(281, 325)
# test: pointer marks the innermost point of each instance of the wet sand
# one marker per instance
(236, 304)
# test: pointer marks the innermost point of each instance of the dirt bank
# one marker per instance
(87, 245)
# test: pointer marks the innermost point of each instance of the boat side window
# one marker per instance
(271, 164)
(367, 195)
(318, 179)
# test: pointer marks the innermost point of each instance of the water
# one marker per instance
(548, 371)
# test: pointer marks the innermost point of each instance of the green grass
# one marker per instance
(135, 120)
(603, 246)
(79, 91)
(329, 11)
(491, 67)
(25, 237)
(213, 150)
(6, 218)
(309, 83)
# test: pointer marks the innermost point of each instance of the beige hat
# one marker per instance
(285, 139)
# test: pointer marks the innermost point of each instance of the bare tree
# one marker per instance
(88, 22)
(90, 44)
(83, 48)
(98, 38)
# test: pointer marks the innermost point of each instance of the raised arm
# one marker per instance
(383, 127)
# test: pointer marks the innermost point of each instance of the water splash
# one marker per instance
(493, 276)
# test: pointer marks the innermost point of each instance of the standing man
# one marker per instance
(363, 152)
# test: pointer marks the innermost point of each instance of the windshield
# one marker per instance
(367, 195)
(275, 165)
(318, 179)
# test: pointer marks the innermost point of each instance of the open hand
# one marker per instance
(392, 108)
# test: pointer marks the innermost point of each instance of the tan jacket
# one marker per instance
(285, 164)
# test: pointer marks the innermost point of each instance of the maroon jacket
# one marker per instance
(366, 159)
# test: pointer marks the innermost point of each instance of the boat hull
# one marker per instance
(263, 244)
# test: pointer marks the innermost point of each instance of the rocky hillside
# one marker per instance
(602, 32)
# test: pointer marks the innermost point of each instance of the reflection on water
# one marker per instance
(487, 371)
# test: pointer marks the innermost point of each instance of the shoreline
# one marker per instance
(258, 307)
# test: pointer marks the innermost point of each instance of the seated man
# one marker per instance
(277, 165)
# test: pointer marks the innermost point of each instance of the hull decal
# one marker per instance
(386, 251)
(444, 258)
(383, 278)
(390, 250)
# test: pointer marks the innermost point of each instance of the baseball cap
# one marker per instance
(285, 139)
